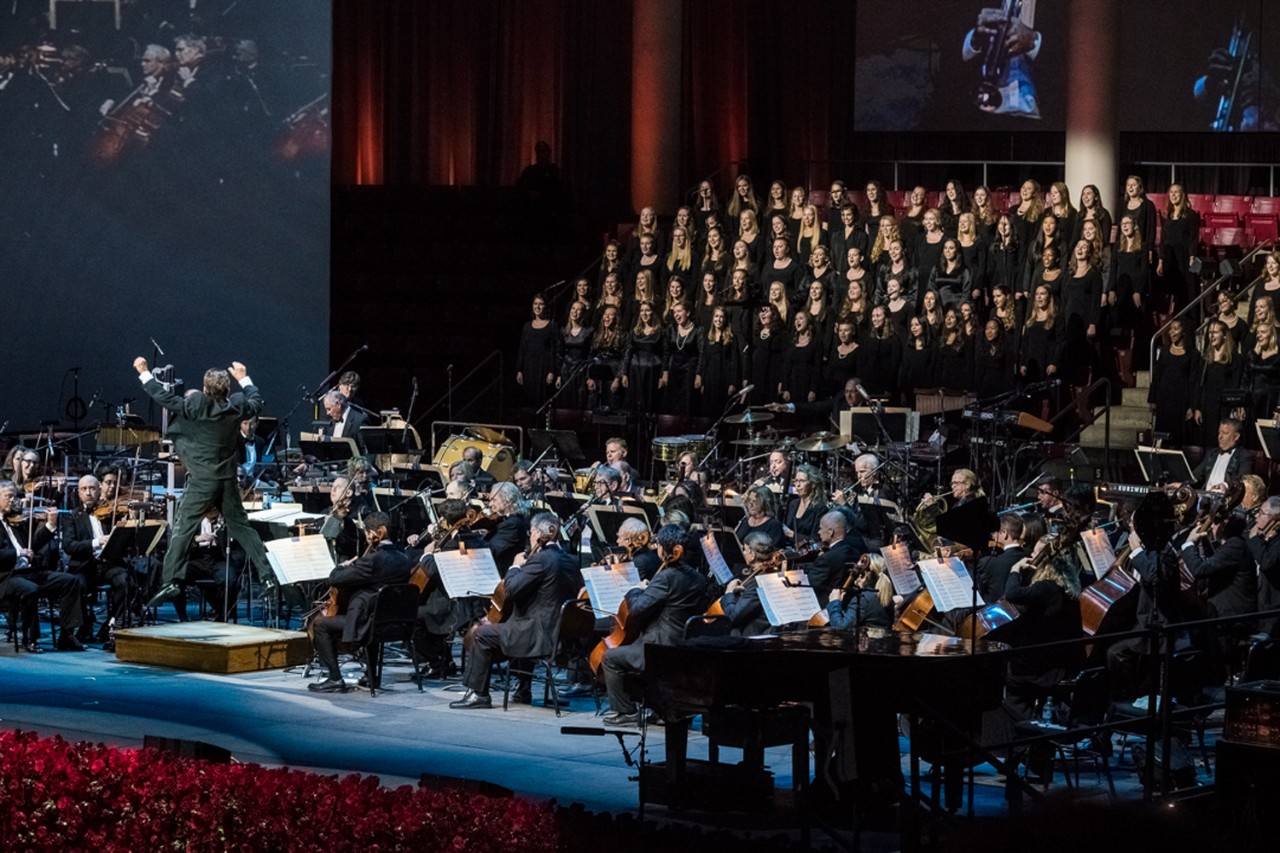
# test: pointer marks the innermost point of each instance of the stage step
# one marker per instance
(1126, 420)
(218, 647)
(1142, 378)
(1134, 397)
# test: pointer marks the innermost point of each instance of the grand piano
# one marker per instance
(856, 686)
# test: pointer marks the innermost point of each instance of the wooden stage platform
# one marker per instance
(216, 647)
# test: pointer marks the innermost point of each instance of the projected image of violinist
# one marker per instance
(1005, 43)
(1236, 85)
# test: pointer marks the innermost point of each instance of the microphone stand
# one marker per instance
(413, 398)
(284, 422)
(323, 386)
(546, 407)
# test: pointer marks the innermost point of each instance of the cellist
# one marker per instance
(656, 613)
(382, 564)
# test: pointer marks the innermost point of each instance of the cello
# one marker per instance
(624, 632)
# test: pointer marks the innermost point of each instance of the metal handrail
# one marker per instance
(1211, 290)
(1173, 169)
(1106, 429)
(809, 168)
(447, 397)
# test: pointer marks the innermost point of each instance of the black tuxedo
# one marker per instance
(27, 585)
(535, 591)
(994, 571)
(1129, 663)
(352, 420)
(362, 578)
(832, 566)
(77, 542)
(1231, 575)
(1237, 467)
(1267, 555)
(507, 540)
(205, 434)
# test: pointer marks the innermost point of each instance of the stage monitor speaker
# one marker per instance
(466, 786)
(188, 748)
(1228, 268)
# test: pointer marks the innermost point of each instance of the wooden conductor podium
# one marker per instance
(217, 647)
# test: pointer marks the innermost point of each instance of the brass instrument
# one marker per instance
(995, 60)
(924, 521)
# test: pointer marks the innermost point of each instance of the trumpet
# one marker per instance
(1018, 508)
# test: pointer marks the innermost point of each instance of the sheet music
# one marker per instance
(948, 582)
(608, 585)
(901, 568)
(300, 559)
(288, 515)
(1098, 548)
(787, 601)
(467, 574)
(715, 560)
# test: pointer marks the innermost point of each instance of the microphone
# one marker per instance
(364, 348)
(415, 385)
(157, 346)
(857, 386)
(742, 395)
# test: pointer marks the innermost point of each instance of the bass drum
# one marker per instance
(499, 461)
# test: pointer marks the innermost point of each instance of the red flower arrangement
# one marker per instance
(56, 795)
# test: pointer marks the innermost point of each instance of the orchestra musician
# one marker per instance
(993, 571)
(778, 478)
(1225, 567)
(381, 565)
(1226, 463)
(24, 577)
(348, 507)
(659, 610)
(84, 535)
(741, 599)
(841, 548)
(215, 559)
(1049, 499)
(630, 533)
(438, 614)
(346, 420)
(536, 586)
(205, 424)
(251, 449)
(1132, 662)
(474, 457)
(862, 498)
(507, 539)
(808, 505)
(761, 514)
(867, 603)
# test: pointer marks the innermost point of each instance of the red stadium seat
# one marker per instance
(1201, 203)
(1160, 200)
(1265, 204)
(897, 199)
(858, 197)
(1264, 226)
(818, 198)
(935, 199)
(1221, 220)
(1235, 204)
(1000, 201)
(1222, 239)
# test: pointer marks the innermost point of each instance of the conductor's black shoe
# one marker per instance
(68, 643)
(472, 699)
(330, 685)
(166, 593)
(617, 718)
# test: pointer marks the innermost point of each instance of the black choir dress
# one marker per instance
(575, 351)
(1041, 348)
(1081, 307)
(642, 365)
(919, 370)
(954, 365)
(992, 368)
(538, 356)
(1262, 377)
(976, 261)
(1178, 239)
(1173, 388)
(719, 366)
(840, 369)
(1215, 379)
(680, 362)
(1130, 270)
(763, 363)
(880, 360)
(802, 369)
(610, 366)
(792, 278)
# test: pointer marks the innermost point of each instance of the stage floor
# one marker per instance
(271, 718)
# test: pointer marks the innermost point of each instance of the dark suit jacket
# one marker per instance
(205, 431)
(745, 611)
(661, 609)
(1231, 574)
(994, 571)
(9, 557)
(383, 566)
(829, 570)
(1159, 600)
(508, 539)
(1267, 555)
(354, 420)
(1237, 467)
(537, 590)
(77, 541)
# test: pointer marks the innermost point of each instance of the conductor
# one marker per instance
(205, 427)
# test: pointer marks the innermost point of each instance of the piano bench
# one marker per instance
(753, 730)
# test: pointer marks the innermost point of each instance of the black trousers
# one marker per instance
(617, 663)
(326, 633)
(211, 564)
(486, 650)
(65, 590)
(197, 498)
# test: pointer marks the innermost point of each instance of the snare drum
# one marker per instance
(668, 448)
(582, 480)
(499, 461)
(698, 445)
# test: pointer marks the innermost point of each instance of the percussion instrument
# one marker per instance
(698, 445)
(822, 442)
(749, 417)
(582, 479)
(755, 441)
(498, 459)
(669, 447)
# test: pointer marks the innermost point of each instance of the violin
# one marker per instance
(821, 619)
(774, 562)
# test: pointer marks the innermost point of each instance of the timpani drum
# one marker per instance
(698, 445)
(668, 448)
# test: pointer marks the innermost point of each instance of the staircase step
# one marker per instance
(1142, 378)
(1122, 438)
(1125, 417)
(1135, 397)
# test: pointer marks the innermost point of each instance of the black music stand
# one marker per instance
(379, 440)
(970, 524)
(861, 422)
(311, 499)
(730, 549)
(563, 504)
(1163, 466)
(564, 442)
(606, 520)
(326, 449)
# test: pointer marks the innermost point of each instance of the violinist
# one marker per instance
(868, 600)
(633, 539)
(346, 517)
(382, 564)
(24, 578)
(841, 548)
(741, 599)
(993, 571)
(84, 536)
(438, 614)
(1221, 560)
(657, 613)
(537, 584)
(507, 539)
(212, 558)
